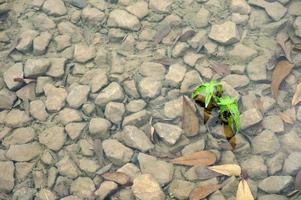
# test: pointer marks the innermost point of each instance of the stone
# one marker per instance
(62, 42)
(273, 123)
(236, 80)
(53, 138)
(131, 170)
(294, 8)
(130, 88)
(27, 92)
(66, 167)
(181, 189)
(297, 26)
(74, 130)
(7, 176)
(68, 115)
(160, 6)
(229, 90)
(26, 40)
(70, 29)
(292, 163)
(40, 43)
(55, 100)
(173, 108)
(275, 163)
(193, 147)
(116, 152)
(42, 22)
(82, 187)
(168, 133)
(100, 127)
(139, 9)
(41, 82)
(37, 110)
(175, 74)
(239, 19)
(255, 167)
(92, 16)
(240, 6)
(225, 33)
(201, 19)
(54, 7)
(36, 67)
(275, 10)
(16, 71)
(88, 165)
(250, 118)
(275, 184)
(241, 52)
(17, 118)
(105, 189)
(145, 187)
(116, 19)
(149, 87)
(57, 67)
(71, 197)
(25, 193)
(258, 18)
(19, 136)
(191, 80)
(114, 112)
(152, 70)
(179, 49)
(84, 53)
(78, 96)
(136, 119)
(192, 58)
(162, 171)
(266, 143)
(136, 138)
(24, 152)
(113, 92)
(23, 169)
(98, 82)
(7, 99)
(272, 197)
(77, 3)
(198, 40)
(135, 105)
(290, 142)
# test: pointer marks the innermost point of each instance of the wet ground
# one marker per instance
(89, 87)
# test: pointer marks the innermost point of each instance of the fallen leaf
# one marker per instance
(227, 169)
(297, 96)
(220, 68)
(243, 191)
(162, 32)
(298, 181)
(282, 39)
(203, 173)
(200, 158)
(202, 192)
(282, 69)
(24, 80)
(187, 35)
(190, 121)
(118, 177)
(286, 117)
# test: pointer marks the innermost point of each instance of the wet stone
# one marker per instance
(139, 9)
(175, 74)
(77, 3)
(105, 189)
(45, 194)
(275, 184)
(201, 19)
(26, 40)
(42, 22)
(36, 67)
(225, 33)
(266, 143)
(7, 99)
(255, 167)
(236, 80)
(23, 152)
(41, 43)
(294, 8)
(57, 67)
(292, 164)
(198, 40)
(23, 169)
(130, 88)
(191, 58)
(54, 7)
(66, 167)
(242, 52)
(162, 171)
(240, 6)
(181, 189)
(83, 53)
(273, 123)
(55, 97)
(19, 136)
(297, 26)
(16, 71)
(98, 82)
(88, 165)
(145, 187)
(194, 147)
(131, 170)
(92, 16)
(75, 129)
(153, 70)
(68, 115)
(116, 19)
(53, 138)
(137, 119)
(275, 10)
(291, 141)
(160, 6)
(62, 42)
(17, 118)
(191, 80)
(239, 19)
(275, 163)
(135, 105)
(173, 108)
(149, 87)
(117, 152)
(7, 176)
(113, 92)
(250, 118)
(256, 69)
(168, 133)
(100, 127)
(82, 187)
(78, 95)
(179, 49)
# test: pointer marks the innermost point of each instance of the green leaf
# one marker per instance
(199, 90)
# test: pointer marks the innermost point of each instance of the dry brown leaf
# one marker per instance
(190, 121)
(220, 68)
(187, 35)
(297, 96)
(118, 177)
(298, 181)
(282, 69)
(200, 158)
(286, 117)
(162, 32)
(282, 39)
(202, 192)
(243, 191)
(227, 169)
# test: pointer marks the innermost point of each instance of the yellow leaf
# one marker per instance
(297, 96)
(227, 169)
(243, 191)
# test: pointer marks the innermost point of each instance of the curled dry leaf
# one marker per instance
(283, 68)
(298, 181)
(243, 191)
(286, 117)
(187, 35)
(227, 169)
(118, 177)
(200, 158)
(202, 192)
(190, 121)
(297, 96)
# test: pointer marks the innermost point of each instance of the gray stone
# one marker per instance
(181, 189)
(66, 167)
(88, 165)
(139, 9)
(36, 67)
(71, 197)
(145, 187)
(179, 49)
(191, 80)
(54, 7)
(130, 88)
(7, 99)
(68, 115)
(274, 123)
(290, 142)
(23, 169)
(242, 52)
(225, 33)
(17, 118)
(256, 69)
(201, 19)
(275, 10)
(131, 170)
(135, 105)
(294, 8)
(45, 194)
(149, 87)
(26, 39)
(275, 184)
(70, 29)
(239, 19)
(27, 92)
(19, 136)
(275, 163)
(113, 92)
(16, 71)
(266, 143)
(136, 138)
(258, 18)
(197, 41)
(82, 187)
(40, 43)
(23, 152)
(229, 90)
(162, 171)
(53, 138)
(191, 58)
(255, 167)
(92, 16)
(236, 80)
(116, 19)
(7, 176)
(37, 110)
(41, 82)
(292, 164)
(98, 82)
(78, 95)
(84, 53)
(114, 112)
(100, 127)
(297, 26)
(272, 197)
(117, 152)
(136, 119)
(74, 130)
(62, 42)
(240, 6)
(77, 3)
(42, 22)
(173, 108)
(153, 70)
(168, 133)
(160, 6)
(105, 189)
(250, 118)
(55, 97)
(175, 74)
(194, 147)
(57, 67)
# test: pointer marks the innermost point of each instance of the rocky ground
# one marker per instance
(82, 81)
